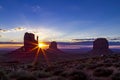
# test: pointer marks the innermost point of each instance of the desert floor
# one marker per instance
(64, 66)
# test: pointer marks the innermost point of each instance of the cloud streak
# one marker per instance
(92, 39)
(81, 40)
(4, 30)
(12, 30)
(115, 39)
(19, 29)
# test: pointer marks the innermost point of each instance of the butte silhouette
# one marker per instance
(53, 48)
(30, 49)
(29, 41)
(101, 46)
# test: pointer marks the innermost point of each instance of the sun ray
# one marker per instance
(34, 48)
(42, 45)
(45, 56)
(36, 57)
(34, 44)
(39, 47)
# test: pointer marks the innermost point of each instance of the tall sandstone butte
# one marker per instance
(29, 41)
(101, 46)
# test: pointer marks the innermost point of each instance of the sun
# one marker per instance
(42, 45)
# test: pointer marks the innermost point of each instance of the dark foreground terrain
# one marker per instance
(63, 67)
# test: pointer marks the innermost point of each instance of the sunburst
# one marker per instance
(40, 50)
(42, 45)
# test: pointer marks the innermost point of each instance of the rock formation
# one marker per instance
(53, 45)
(100, 43)
(26, 54)
(29, 41)
(53, 48)
(101, 46)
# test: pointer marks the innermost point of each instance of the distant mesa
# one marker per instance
(100, 43)
(29, 41)
(101, 46)
(53, 45)
(53, 48)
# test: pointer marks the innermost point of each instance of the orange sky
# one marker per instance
(59, 46)
(10, 45)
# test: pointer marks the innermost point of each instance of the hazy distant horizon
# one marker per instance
(61, 45)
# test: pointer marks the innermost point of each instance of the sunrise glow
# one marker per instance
(42, 45)
(40, 49)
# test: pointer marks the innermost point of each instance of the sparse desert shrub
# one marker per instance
(26, 78)
(102, 72)
(29, 66)
(48, 69)
(107, 61)
(3, 75)
(116, 65)
(78, 75)
(116, 76)
(94, 66)
(56, 78)
(8, 71)
(67, 72)
(82, 66)
(96, 79)
(41, 74)
(21, 75)
(57, 72)
(107, 64)
(13, 74)
(74, 75)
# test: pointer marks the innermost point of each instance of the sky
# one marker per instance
(59, 20)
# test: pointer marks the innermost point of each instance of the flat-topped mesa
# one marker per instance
(101, 46)
(29, 41)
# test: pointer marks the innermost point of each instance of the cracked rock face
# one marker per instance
(53, 45)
